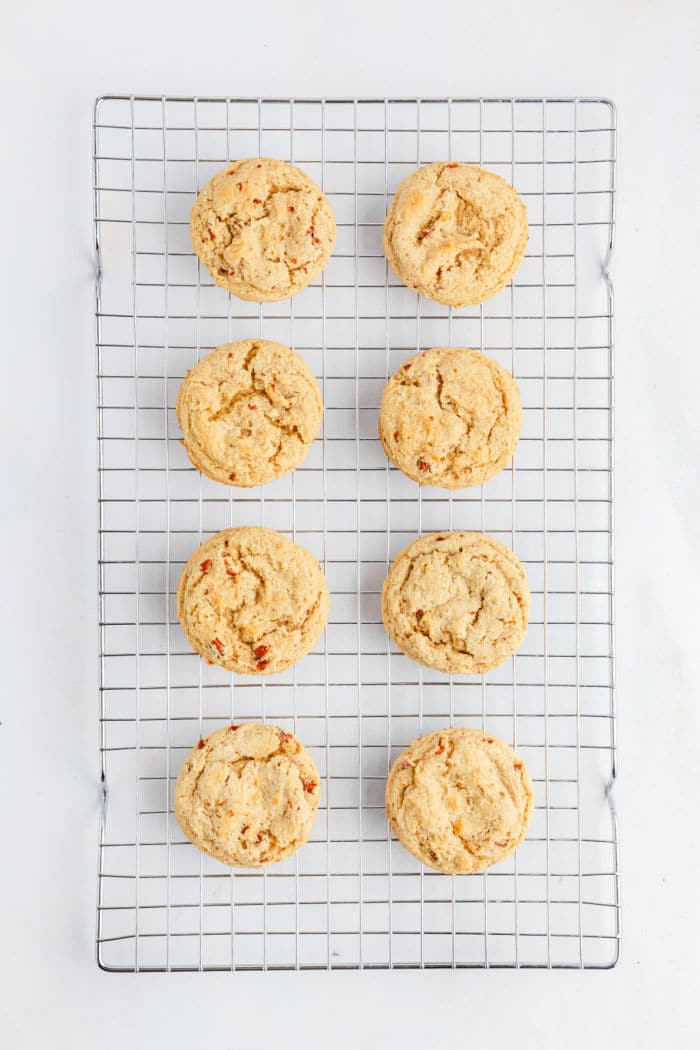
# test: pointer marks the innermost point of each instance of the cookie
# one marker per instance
(455, 232)
(457, 602)
(247, 795)
(460, 800)
(450, 417)
(263, 229)
(249, 412)
(252, 601)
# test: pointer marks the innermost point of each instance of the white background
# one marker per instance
(54, 59)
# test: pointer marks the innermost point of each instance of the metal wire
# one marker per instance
(353, 898)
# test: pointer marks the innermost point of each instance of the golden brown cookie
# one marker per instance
(450, 417)
(252, 601)
(455, 232)
(249, 412)
(460, 800)
(263, 229)
(457, 602)
(247, 795)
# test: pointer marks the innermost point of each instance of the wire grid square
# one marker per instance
(353, 897)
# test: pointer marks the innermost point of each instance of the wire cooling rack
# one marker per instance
(353, 897)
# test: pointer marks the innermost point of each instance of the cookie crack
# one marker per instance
(457, 642)
(238, 423)
(237, 768)
(500, 390)
(478, 421)
(262, 584)
(235, 215)
(404, 791)
(439, 384)
(230, 404)
(479, 612)
(250, 355)
(467, 847)
(285, 430)
(234, 224)
(274, 621)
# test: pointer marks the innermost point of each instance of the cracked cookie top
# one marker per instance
(455, 232)
(459, 800)
(249, 412)
(457, 602)
(263, 229)
(450, 417)
(247, 795)
(252, 601)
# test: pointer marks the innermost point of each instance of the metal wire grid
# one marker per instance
(352, 897)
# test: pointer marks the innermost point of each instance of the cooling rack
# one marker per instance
(352, 897)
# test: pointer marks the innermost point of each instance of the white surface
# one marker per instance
(53, 61)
